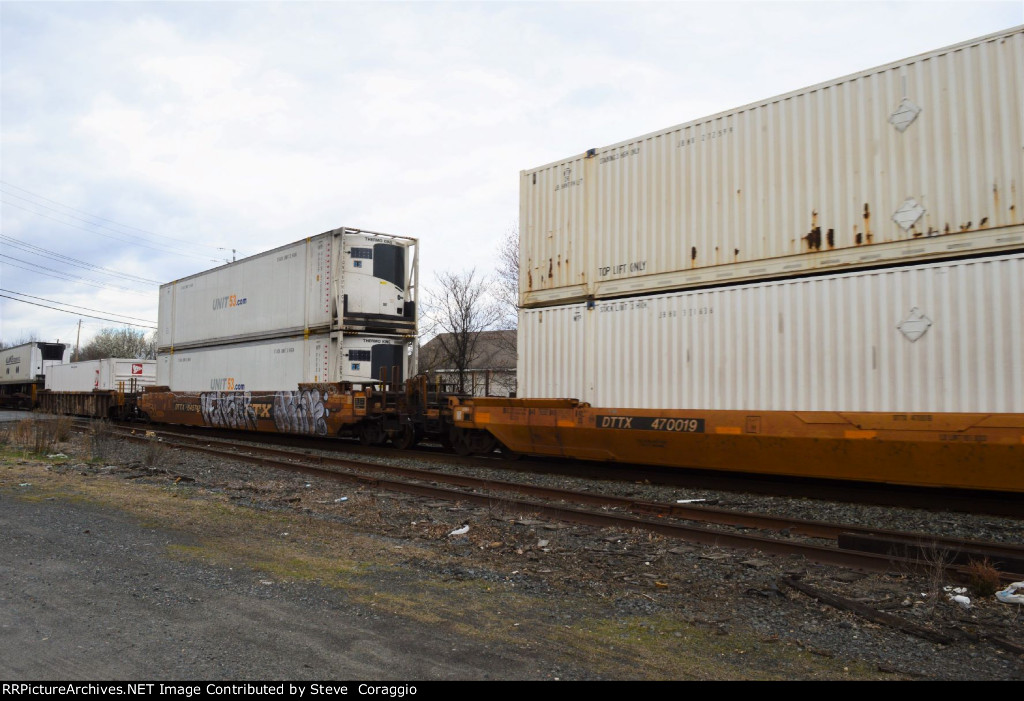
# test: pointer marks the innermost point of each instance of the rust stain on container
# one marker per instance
(813, 237)
(551, 268)
(965, 227)
(867, 223)
(983, 224)
(830, 238)
(693, 256)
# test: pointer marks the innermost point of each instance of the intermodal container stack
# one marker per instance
(336, 307)
(854, 246)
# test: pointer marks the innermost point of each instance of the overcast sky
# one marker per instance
(151, 139)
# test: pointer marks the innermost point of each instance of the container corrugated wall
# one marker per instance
(915, 160)
(346, 279)
(925, 338)
(283, 363)
(277, 293)
(104, 374)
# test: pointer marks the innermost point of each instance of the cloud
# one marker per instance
(218, 126)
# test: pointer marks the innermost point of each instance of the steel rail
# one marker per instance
(316, 465)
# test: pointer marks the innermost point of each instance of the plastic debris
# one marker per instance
(964, 601)
(56, 455)
(25, 484)
(1010, 595)
(956, 595)
(341, 499)
(460, 531)
(688, 501)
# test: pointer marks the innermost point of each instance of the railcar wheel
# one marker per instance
(459, 441)
(407, 437)
(372, 434)
(471, 442)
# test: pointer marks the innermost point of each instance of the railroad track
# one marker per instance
(827, 543)
(934, 499)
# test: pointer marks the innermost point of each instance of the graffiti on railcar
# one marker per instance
(228, 410)
(302, 411)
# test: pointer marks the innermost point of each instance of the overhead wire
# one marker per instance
(46, 253)
(96, 216)
(100, 233)
(116, 321)
(65, 276)
(67, 304)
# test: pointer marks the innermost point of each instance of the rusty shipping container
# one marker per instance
(920, 159)
(345, 280)
(936, 337)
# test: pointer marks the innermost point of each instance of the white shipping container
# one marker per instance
(29, 361)
(926, 338)
(915, 160)
(105, 374)
(283, 363)
(342, 279)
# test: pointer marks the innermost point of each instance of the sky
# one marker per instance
(141, 142)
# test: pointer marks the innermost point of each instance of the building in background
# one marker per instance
(491, 367)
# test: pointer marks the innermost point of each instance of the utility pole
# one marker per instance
(77, 339)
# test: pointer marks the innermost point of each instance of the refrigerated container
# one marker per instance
(342, 280)
(284, 363)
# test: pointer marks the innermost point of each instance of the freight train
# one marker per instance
(826, 284)
(24, 368)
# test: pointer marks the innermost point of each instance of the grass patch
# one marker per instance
(407, 580)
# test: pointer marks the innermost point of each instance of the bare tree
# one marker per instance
(118, 343)
(458, 308)
(506, 288)
(30, 338)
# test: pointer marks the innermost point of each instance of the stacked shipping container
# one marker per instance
(632, 255)
(337, 307)
(942, 337)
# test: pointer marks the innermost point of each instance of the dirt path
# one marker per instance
(91, 594)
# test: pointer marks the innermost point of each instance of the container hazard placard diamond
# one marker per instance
(908, 214)
(905, 114)
(915, 325)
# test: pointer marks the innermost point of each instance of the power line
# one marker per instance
(100, 233)
(65, 276)
(116, 321)
(65, 304)
(46, 253)
(96, 216)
